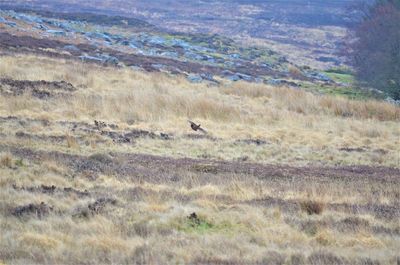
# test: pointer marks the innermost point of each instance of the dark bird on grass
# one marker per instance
(196, 127)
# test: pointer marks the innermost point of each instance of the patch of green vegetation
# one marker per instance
(341, 74)
(341, 77)
(19, 163)
(340, 70)
(200, 225)
(214, 55)
(351, 92)
(169, 37)
(259, 55)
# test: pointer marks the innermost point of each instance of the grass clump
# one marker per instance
(312, 207)
(6, 161)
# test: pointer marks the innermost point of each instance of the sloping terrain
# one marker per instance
(99, 165)
(126, 42)
(309, 34)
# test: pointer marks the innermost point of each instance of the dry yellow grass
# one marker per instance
(298, 126)
(244, 217)
(149, 222)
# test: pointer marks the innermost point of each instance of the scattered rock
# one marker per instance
(194, 78)
(169, 54)
(42, 27)
(71, 48)
(56, 32)
(392, 101)
(110, 60)
(137, 68)
(8, 23)
(87, 58)
(159, 67)
(11, 24)
(98, 35)
(26, 18)
(281, 82)
(244, 77)
(233, 78)
(319, 76)
(208, 76)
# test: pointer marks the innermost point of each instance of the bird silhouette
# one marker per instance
(196, 127)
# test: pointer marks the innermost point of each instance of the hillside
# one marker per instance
(99, 165)
(103, 168)
(310, 34)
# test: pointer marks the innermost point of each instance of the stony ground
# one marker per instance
(309, 34)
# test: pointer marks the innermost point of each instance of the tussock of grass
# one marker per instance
(6, 161)
(312, 207)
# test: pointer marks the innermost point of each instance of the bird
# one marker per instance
(196, 127)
